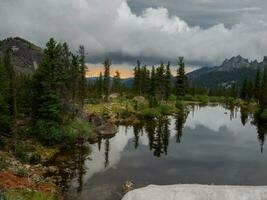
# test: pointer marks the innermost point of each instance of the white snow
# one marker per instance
(198, 192)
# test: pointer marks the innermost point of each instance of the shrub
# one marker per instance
(20, 154)
(179, 105)
(35, 159)
(22, 172)
(49, 132)
(165, 109)
(150, 113)
(125, 114)
(172, 98)
(263, 115)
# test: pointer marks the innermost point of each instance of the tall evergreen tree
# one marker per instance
(117, 85)
(137, 79)
(46, 106)
(5, 114)
(257, 88)
(160, 80)
(167, 82)
(180, 79)
(106, 87)
(12, 90)
(263, 99)
(152, 93)
(82, 78)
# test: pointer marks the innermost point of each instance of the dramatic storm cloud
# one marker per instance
(152, 31)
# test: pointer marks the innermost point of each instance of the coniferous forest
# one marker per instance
(58, 106)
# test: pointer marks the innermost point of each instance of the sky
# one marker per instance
(204, 32)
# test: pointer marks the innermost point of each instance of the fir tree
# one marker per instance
(82, 78)
(160, 80)
(152, 93)
(106, 87)
(116, 85)
(167, 82)
(46, 106)
(263, 99)
(5, 114)
(257, 88)
(181, 79)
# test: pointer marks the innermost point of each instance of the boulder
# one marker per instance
(107, 129)
(198, 192)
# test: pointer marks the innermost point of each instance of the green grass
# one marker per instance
(27, 195)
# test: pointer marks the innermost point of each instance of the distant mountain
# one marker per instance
(233, 70)
(25, 57)
(127, 82)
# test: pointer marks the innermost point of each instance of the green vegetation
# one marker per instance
(27, 195)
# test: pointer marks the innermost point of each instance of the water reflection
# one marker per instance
(216, 144)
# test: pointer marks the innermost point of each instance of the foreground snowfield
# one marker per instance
(198, 192)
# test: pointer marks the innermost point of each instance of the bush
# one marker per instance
(179, 105)
(49, 132)
(263, 115)
(172, 98)
(22, 172)
(77, 129)
(20, 154)
(125, 114)
(150, 113)
(35, 159)
(165, 109)
(203, 99)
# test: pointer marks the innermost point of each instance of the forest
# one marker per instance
(52, 107)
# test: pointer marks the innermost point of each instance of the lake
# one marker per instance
(205, 145)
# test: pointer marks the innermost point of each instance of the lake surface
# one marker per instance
(205, 145)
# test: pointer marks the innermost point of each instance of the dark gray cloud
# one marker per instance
(204, 31)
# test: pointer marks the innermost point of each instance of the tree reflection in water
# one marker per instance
(262, 130)
(179, 124)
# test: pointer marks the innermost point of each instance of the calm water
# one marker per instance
(206, 145)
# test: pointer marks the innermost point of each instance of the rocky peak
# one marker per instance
(25, 56)
(235, 62)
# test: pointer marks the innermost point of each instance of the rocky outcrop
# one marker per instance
(198, 192)
(25, 56)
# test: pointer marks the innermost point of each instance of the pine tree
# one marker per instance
(82, 78)
(152, 93)
(116, 85)
(244, 90)
(160, 80)
(257, 88)
(137, 79)
(12, 90)
(46, 104)
(167, 82)
(106, 87)
(180, 79)
(5, 114)
(263, 100)
(99, 85)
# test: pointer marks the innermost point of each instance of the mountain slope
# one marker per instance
(25, 56)
(233, 70)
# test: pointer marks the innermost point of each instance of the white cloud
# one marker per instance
(110, 27)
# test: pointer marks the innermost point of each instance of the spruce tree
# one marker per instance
(5, 114)
(160, 80)
(82, 78)
(263, 99)
(152, 93)
(257, 88)
(180, 79)
(137, 79)
(116, 85)
(46, 104)
(167, 82)
(106, 87)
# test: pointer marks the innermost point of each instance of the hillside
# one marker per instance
(25, 57)
(233, 70)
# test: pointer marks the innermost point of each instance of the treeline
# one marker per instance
(51, 98)
(156, 83)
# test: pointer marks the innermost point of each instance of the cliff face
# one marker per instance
(25, 56)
